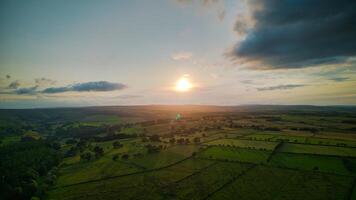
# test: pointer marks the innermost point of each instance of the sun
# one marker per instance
(183, 85)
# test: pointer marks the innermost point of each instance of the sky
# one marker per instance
(60, 53)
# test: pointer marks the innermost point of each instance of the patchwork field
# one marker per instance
(316, 149)
(272, 183)
(322, 163)
(166, 157)
(235, 154)
(252, 156)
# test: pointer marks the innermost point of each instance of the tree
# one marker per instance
(186, 141)
(71, 152)
(115, 157)
(21, 179)
(196, 140)
(153, 149)
(172, 140)
(155, 138)
(71, 141)
(87, 156)
(98, 151)
(180, 141)
(117, 145)
(125, 156)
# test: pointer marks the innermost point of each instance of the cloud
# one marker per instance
(221, 14)
(181, 56)
(99, 86)
(296, 34)
(281, 87)
(339, 79)
(216, 5)
(128, 96)
(247, 82)
(13, 85)
(44, 81)
(53, 90)
(27, 91)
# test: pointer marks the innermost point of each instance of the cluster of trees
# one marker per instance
(95, 153)
(184, 140)
(182, 129)
(11, 130)
(153, 148)
(310, 129)
(117, 145)
(76, 130)
(27, 169)
(86, 150)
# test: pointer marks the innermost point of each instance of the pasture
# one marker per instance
(205, 156)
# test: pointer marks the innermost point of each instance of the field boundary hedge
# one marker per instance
(279, 145)
(229, 182)
(123, 175)
(349, 194)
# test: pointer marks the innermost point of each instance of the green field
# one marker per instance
(200, 185)
(265, 137)
(235, 154)
(272, 183)
(336, 165)
(133, 185)
(166, 157)
(323, 141)
(315, 149)
(294, 139)
(101, 168)
(262, 145)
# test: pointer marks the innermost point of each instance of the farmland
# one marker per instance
(207, 154)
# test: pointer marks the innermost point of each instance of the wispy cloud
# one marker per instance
(96, 86)
(339, 79)
(13, 85)
(27, 91)
(216, 5)
(182, 56)
(281, 87)
(128, 96)
(247, 82)
(99, 86)
(44, 81)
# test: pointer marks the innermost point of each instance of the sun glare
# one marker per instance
(183, 85)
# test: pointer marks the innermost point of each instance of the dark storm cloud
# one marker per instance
(299, 33)
(281, 87)
(13, 85)
(99, 86)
